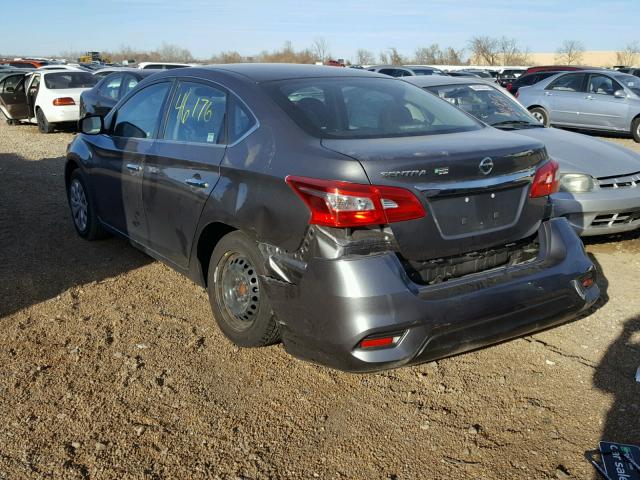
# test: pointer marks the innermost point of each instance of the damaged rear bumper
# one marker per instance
(337, 302)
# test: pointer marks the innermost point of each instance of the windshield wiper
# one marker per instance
(516, 123)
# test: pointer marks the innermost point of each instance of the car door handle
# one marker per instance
(590, 97)
(134, 167)
(548, 94)
(196, 182)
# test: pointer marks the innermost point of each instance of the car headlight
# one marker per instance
(576, 182)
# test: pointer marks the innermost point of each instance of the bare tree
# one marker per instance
(320, 49)
(485, 50)
(451, 56)
(433, 55)
(430, 55)
(365, 57)
(391, 57)
(570, 52)
(629, 55)
(511, 52)
(227, 57)
(173, 53)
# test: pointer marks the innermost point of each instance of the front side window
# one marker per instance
(485, 103)
(63, 80)
(196, 114)
(366, 108)
(110, 87)
(630, 81)
(568, 83)
(11, 83)
(602, 85)
(140, 116)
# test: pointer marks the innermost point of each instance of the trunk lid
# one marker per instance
(474, 187)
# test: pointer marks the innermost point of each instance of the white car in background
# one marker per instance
(46, 97)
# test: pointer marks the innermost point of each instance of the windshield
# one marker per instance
(366, 108)
(62, 80)
(630, 81)
(486, 103)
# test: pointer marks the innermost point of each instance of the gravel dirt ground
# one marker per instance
(112, 367)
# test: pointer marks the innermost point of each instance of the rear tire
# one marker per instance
(635, 129)
(238, 299)
(43, 124)
(83, 213)
(541, 115)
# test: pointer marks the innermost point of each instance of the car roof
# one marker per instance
(266, 72)
(440, 80)
(140, 73)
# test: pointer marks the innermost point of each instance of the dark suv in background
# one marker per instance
(362, 221)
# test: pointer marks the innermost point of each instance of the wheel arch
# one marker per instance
(530, 107)
(209, 237)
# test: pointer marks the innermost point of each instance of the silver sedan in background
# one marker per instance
(589, 99)
(599, 180)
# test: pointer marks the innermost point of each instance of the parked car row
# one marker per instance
(362, 221)
(598, 180)
(603, 100)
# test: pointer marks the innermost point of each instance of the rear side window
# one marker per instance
(568, 83)
(110, 87)
(140, 115)
(241, 121)
(196, 114)
(129, 83)
(395, 72)
(422, 71)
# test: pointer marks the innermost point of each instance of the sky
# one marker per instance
(250, 26)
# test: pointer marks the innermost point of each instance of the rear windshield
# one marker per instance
(62, 80)
(484, 102)
(630, 81)
(366, 108)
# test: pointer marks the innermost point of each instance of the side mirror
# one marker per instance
(619, 94)
(92, 125)
(9, 90)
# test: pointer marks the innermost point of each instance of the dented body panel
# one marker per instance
(482, 265)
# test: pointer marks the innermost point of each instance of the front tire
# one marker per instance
(238, 299)
(43, 124)
(541, 115)
(635, 129)
(83, 213)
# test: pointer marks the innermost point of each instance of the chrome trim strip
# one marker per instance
(432, 189)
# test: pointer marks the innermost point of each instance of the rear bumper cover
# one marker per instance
(581, 209)
(338, 302)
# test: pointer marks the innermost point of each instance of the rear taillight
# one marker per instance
(509, 86)
(343, 204)
(63, 101)
(546, 180)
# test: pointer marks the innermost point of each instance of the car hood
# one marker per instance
(578, 153)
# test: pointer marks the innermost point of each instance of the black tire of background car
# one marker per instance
(43, 124)
(263, 329)
(94, 229)
(542, 112)
(635, 129)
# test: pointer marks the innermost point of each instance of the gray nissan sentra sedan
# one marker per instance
(599, 180)
(363, 222)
